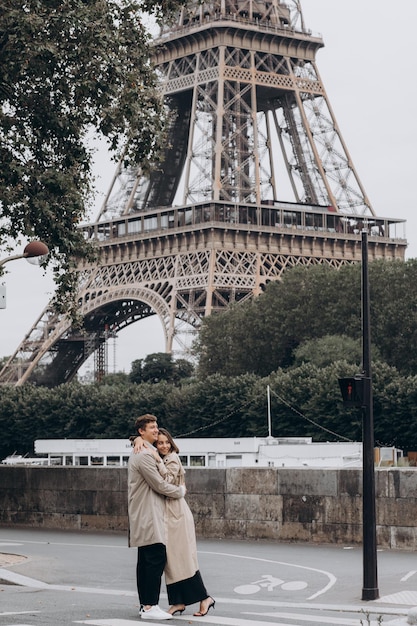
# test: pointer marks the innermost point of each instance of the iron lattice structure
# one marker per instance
(256, 178)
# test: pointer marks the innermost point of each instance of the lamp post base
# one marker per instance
(371, 593)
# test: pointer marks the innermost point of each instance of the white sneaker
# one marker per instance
(155, 613)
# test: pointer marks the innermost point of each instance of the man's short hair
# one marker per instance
(142, 420)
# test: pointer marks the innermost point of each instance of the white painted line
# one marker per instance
(8, 545)
(18, 613)
(235, 621)
(106, 592)
(18, 579)
(407, 576)
(25, 581)
(78, 545)
(402, 597)
(113, 622)
(320, 619)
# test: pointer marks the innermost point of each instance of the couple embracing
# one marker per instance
(161, 525)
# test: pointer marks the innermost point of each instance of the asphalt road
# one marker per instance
(58, 578)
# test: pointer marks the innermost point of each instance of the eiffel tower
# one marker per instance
(256, 179)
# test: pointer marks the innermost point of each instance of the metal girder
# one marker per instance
(247, 108)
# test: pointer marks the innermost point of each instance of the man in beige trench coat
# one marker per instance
(146, 508)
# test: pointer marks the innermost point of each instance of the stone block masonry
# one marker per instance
(276, 504)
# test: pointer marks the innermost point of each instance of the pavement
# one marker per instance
(60, 578)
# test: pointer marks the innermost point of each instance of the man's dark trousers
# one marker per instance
(149, 570)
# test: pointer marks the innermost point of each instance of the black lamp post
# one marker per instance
(370, 576)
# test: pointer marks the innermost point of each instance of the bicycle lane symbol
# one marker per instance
(269, 583)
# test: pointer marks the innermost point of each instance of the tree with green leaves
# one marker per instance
(135, 374)
(308, 305)
(323, 351)
(160, 366)
(261, 335)
(67, 70)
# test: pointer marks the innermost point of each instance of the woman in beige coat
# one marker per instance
(182, 576)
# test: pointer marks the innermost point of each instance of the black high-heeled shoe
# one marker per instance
(211, 605)
(180, 611)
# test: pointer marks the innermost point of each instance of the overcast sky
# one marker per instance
(368, 70)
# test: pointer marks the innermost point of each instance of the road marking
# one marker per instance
(270, 582)
(402, 597)
(78, 545)
(25, 581)
(320, 619)
(407, 576)
(8, 544)
(111, 622)
(331, 577)
(18, 579)
(18, 613)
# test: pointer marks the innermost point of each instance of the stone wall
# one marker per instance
(279, 504)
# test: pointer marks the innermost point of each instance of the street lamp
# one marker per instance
(34, 249)
(33, 252)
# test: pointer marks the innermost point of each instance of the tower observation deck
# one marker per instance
(256, 178)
